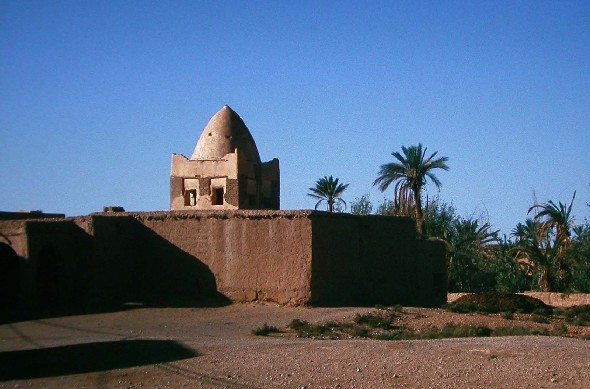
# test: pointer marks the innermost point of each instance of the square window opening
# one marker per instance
(217, 198)
(190, 197)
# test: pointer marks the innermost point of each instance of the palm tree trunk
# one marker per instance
(418, 211)
(544, 282)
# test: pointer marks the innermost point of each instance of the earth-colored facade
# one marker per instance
(224, 237)
(224, 171)
(287, 257)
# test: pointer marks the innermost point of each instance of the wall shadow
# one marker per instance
(164, 275)
(363, 261)
(89, 357)
(49, 277)
(10, 274)
(116, 263)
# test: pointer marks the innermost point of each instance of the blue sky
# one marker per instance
(96, 96)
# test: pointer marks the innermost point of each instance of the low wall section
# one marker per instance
(560, 300)
(287, 257)
(252, 255)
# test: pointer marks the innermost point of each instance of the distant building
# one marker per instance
(19, 215)
(225, 170)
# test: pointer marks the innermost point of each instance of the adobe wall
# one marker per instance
(432, 273)
(58, 259)
(367, 260)
(13, 251)
(287, 257)
(12, 233)
(555, 299)
(253, 255)
(52, 260)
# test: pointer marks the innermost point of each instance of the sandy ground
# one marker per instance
(213, 348)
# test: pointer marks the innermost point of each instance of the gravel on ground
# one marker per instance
(214, 348)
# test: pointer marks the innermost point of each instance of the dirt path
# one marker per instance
(213, 348)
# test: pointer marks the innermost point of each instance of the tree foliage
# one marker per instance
(542, 245)
(361, 205)
(329, 190)
(477, 259)
(546, 252)
(409, 173)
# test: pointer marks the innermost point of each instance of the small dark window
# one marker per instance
(190, 197)
(217, 198)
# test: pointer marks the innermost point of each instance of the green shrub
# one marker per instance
(265, 330)
(507, 315)
(539, 318)
(376, 320)
(360, 332)
(297, 324)
(579, 315)
(543, 312)
(560, 329)
(305, 329)
(397, 334)
(457, 331)
(496, 302)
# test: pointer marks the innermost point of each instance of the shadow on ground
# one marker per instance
(89, 357)
(13, 316)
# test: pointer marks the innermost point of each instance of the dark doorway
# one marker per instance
(48, 277)
(9, 277)
(217, 198)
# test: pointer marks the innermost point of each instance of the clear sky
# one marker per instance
(96, 96)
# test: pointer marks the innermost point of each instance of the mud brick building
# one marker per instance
(223, 237)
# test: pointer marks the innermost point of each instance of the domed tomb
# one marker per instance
(226, 132)
(225, 170)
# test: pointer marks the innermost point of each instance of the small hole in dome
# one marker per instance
(209, 134)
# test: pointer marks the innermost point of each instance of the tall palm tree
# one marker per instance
(532, 250)
(556, 223)
(410, 173)
(328, 189)
(556, 217)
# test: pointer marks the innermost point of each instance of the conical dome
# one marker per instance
(225, 133)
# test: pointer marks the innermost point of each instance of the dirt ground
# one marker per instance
(214, 348)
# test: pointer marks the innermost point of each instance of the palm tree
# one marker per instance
(469, 246)
(328, 189)
(409, 173)
(556, 217)
(532, 252)
(556, 222)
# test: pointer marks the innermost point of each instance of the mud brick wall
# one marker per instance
(252, 255)
(367, 260)
(287, 257)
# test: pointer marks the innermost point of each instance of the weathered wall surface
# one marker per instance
(57, 261)
(288, 257)
(366, 260)
(13, 251)
(52, 261)
(431, 273)
(252, 255)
